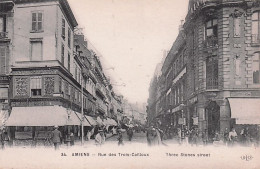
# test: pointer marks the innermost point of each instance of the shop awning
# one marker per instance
(85, 122)
(91, 120)
(38, 116)
(245, 110)
(73, 119)
(100, 121)
(110, 122)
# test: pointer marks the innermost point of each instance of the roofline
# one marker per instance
(64, 5)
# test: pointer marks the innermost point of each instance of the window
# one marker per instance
(212, 28)
(69, 91)
(36, 86)
(69, 37)
(212, 72)
(36, 50)
(2, 23)
(255, 68)
(63, 28)
(177, 66)
(3, 53)
(37, 21)
(181, 61)
(173, 70)
(236, 27)
(62, 54)
(237, 65)
(68, 61)
(255, 27)
(76, 72)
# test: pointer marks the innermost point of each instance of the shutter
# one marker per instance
(2, 60)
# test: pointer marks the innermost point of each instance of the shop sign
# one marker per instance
(193, 100)
(4, 79)
(211, 94)
(195, 120)
(178, 108)
(181, 121)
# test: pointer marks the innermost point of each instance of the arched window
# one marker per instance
(255, 68)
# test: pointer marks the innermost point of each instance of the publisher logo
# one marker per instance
(247, 157)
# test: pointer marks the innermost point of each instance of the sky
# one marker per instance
(130, 37)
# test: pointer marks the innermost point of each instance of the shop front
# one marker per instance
(33, 125)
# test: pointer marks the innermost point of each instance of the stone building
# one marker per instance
(212, 70)
(48, 76)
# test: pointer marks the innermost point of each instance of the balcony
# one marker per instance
(212, 83)
(3, 35)
(101, 108)
(211, 42)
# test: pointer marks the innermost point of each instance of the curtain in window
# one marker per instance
(255, 68)
(1, 24)
(36, 83)
(2, 60)
(36, 50)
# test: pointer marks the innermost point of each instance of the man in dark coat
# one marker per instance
(56, 137)
(2, 144)
(130, 133)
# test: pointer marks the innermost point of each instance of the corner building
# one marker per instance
(212, 70)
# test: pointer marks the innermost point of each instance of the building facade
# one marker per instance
(213, 68)
(48, 68)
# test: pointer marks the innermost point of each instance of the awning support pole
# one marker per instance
(82, 113)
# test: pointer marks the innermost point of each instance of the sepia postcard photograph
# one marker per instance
(129, 84)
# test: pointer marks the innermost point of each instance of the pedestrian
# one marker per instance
(67, 139)
(194, 136)
(247, 136)
(2, 144)
(232, 136)
(205, 137)
(179, 136)
(6, 137)
(186, 135)
(149, 136)
(56, 137)
(226, 138)
(72, 139)
(120, 138)
(157, 137)
(99, 138)
(130, 133)
(89, 135)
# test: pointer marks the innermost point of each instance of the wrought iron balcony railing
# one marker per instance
(212, 83)
(3, 35)
(211, 41)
